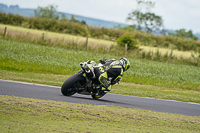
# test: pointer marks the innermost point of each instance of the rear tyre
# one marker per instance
(69, 86)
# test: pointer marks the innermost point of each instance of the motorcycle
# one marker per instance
(81, 82)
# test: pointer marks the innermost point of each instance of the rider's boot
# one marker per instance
(94, 88)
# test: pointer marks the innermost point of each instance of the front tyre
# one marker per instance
(70, 86)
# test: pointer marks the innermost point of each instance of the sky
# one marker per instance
(177, 14)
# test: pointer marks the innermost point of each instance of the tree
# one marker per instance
(127, 39)
(185, 34)
(73, 19)
(47, 12)
(140, 18)
(152, 21)
(51, 12)
(63, 17)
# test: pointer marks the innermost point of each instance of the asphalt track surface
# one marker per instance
(29, 90)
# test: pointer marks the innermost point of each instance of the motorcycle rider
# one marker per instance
(109, 72)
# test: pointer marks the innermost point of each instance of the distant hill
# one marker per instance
(15, 9)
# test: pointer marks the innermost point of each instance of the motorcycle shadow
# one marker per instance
(102, 101)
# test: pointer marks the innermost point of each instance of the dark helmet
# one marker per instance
(125, 63)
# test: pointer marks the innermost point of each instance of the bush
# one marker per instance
(127, 39)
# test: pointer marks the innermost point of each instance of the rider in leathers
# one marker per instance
(108, 72)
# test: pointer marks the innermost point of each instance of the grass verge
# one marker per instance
(33, 115)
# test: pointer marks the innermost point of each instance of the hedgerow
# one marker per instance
(112, 34)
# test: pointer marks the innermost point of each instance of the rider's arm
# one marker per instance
(114, 72)
(118, 77)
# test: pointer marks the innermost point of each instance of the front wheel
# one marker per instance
(70, 86)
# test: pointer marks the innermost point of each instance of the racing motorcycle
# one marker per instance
(82, 81)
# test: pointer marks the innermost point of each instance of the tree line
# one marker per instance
(51, 13)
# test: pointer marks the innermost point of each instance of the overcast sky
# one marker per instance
(176, 14)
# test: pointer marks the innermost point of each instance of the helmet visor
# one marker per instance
(127, 67)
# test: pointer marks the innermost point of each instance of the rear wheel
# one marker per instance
(70, 86)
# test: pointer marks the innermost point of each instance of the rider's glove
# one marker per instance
(116, 81)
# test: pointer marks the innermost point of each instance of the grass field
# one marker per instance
(15, 31)
(33, 115)
(163, 51)
(22, 62)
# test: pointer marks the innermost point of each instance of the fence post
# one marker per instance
(171, 55)
(42, 36)
(86, 42)
(126, 49)
(5, 32)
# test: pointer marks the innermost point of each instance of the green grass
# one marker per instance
(33, 115)
(48, 65)
(42, 59)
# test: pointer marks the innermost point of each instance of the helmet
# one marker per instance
(125, 63)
